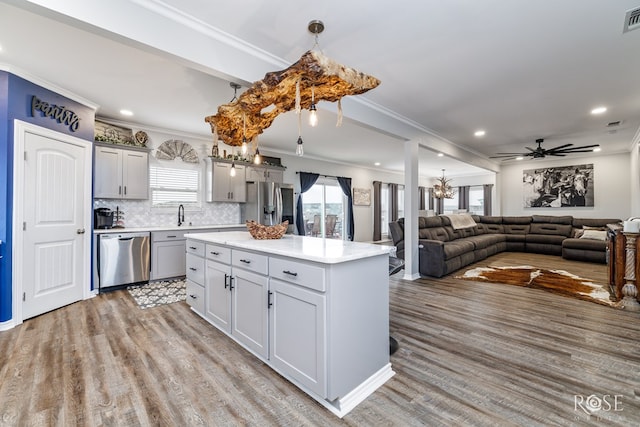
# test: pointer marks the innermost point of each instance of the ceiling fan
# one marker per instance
(539, 152)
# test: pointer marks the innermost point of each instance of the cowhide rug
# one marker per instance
(557, 281)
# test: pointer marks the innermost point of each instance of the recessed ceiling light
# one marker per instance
(519, 158)
(597, 149)
(440, 154)
(126, 112)
(376, 164)
(599, 110)
(479, 133)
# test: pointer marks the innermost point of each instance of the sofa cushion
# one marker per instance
(585, 244)
(435, 233)
(490, 219)
(594, 235)
(516, 228)
(516, 220)
(567, 219)
(464, 232)
(593, 222)
(550, 229)
(457, 248)
(485, 240)
(547, 239)
(494, 228)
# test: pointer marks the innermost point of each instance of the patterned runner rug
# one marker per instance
(159, 293)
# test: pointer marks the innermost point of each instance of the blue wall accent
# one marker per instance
(16, 95)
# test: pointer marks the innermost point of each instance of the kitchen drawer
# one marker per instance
(196, 248)
(303, 274)
(195, 269)
(163, 236)
(195, 296)
(219, 253)
(250, 261)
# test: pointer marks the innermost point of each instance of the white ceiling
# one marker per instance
(520, 70)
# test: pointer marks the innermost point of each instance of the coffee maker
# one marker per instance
(102, 218)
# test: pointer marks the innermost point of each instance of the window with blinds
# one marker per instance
(173, 187)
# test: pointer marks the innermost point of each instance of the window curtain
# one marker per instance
(393, 202)
(421, 198)
(377, 211)
(463, 197)
(439, 206)
(487, 199)
(345, 184)
(431, 207)
(306, 182)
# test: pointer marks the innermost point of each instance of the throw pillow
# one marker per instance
(577, 233)
(594, 235)
(588, 227)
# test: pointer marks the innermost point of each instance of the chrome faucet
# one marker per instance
(180, 215)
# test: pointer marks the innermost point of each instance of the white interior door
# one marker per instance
(55, 229)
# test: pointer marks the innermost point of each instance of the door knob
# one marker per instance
(80, 231)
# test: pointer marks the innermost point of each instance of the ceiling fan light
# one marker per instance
(480, 133)
(597, 149)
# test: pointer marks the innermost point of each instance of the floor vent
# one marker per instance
(632, 20)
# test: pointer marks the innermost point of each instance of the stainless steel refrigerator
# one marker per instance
(270, 203)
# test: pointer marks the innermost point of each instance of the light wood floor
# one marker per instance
(470, 354)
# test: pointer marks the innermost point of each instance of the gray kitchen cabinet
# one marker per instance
(236, 296)
(167, 254)
(194, 265)
(221, 186)
(297, 334)
(264, 174)
(121, 173)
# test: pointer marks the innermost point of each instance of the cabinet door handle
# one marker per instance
(193, 269)
(290, 273)
(119, 189)
(269, 303)
(171, 237)
(226, 276)
(193, 248)
(231, 278)
(125, 190)
(193, 296)
(246, 261)
(215, 253)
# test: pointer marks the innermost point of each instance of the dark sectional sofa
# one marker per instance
(444, 249)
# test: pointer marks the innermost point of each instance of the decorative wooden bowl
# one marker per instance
(264, 232)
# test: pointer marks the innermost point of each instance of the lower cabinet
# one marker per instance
(167, 254)
(297, 334)
(236, 302)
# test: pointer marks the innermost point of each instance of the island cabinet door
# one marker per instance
(218, 295)
(297, 335)
(250, 324)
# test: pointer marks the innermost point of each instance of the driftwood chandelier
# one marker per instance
(313, 78)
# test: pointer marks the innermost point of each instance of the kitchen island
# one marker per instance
(315, 310)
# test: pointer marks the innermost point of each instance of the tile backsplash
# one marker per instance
(138, 213)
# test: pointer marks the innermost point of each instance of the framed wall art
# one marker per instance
(559, 187)
(362, 196)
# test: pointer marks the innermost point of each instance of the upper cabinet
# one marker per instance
(221, 186)
(265, 173)
(121, 173)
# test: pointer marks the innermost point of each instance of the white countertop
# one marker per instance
(192, 228)
(326, 251)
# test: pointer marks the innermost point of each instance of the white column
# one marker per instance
(411, 267)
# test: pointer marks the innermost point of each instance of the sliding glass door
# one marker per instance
(324, 207)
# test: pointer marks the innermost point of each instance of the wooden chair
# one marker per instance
(315, 229)
(330, 225)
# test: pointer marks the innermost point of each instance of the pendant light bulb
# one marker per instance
(244, 145)
(232, 171)
(313, 116)
(256, 158)
(299, 147)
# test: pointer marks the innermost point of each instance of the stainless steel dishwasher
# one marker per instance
(123, 258)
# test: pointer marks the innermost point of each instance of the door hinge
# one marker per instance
(24, 296)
